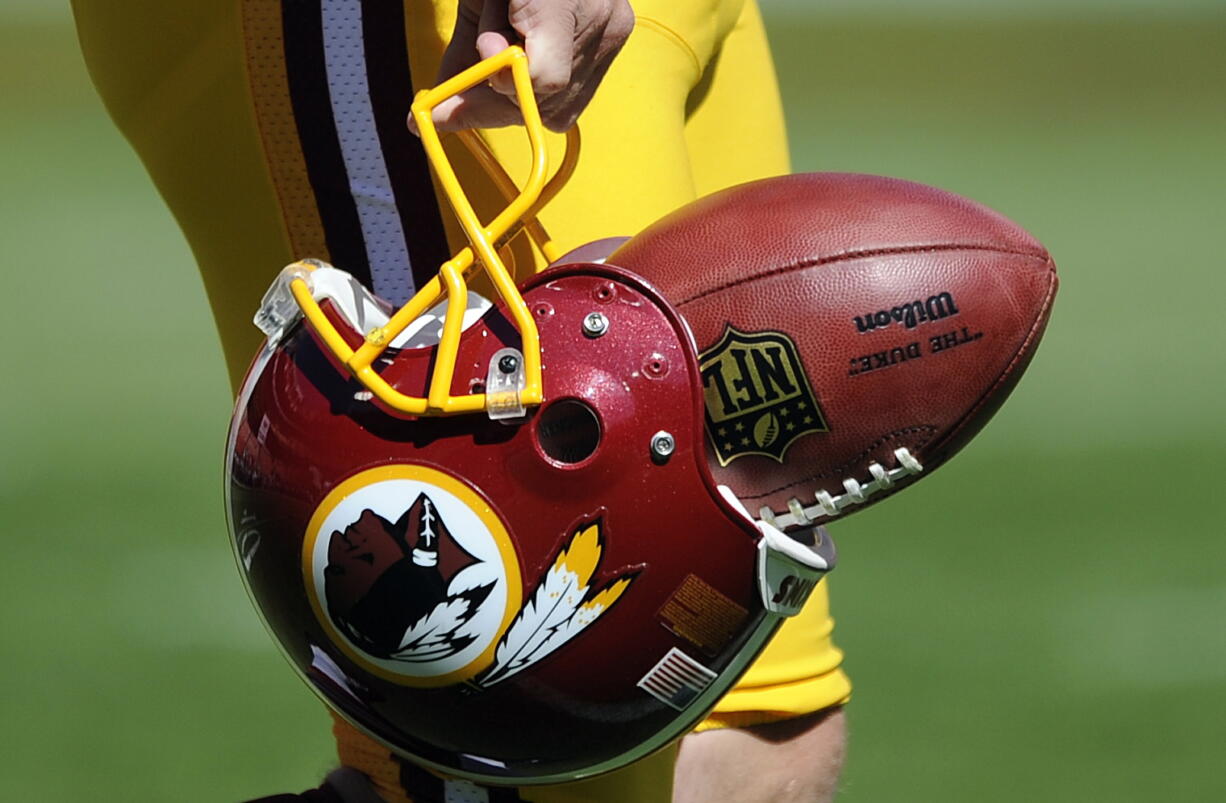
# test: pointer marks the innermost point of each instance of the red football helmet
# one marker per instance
(486, 534)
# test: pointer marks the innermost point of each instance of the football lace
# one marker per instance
(830, 505)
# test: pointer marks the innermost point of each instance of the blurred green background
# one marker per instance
(1045, 621)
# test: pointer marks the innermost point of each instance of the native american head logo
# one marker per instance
(412, 574)
(389, 585)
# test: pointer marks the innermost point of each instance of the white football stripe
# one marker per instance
(345, 62)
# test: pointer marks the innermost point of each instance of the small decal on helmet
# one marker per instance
(412, 574)
(758, 398)
(700, 614)
(562, 606)
(677, 679)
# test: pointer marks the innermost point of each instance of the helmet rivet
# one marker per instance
(508, 364)
(604, 292)
(662, 445)
(595, 324)
(655, 366)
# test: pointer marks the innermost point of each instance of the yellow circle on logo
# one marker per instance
(478, 619)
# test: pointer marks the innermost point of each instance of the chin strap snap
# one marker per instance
(789, 568)
(789, 565)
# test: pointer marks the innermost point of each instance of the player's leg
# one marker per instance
(735, 133)
(173, 77)
(274, 130)
(735, 127)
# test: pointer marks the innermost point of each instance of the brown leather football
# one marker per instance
(854, 331)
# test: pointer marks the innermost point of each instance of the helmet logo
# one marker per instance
(415, 578)
(396, 603)
(758, 398)
(412, 574)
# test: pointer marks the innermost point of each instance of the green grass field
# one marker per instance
(1042, 622)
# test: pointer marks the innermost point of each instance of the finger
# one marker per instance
(491, 43)
(494, 18)
(549, 39)
(460, 54)
(562, 111)
(479, 107)
(597, 46)
(494, 35)
(619, 27)
(461, 51)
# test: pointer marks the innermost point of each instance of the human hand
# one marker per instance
(570, 45)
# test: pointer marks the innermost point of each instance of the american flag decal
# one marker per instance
(677, 679)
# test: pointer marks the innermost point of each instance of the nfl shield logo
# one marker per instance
(758, 398)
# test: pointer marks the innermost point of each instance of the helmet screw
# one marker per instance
(662, 445)
(508, 364)
(595, 324)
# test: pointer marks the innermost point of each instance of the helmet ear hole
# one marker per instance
(568, 431)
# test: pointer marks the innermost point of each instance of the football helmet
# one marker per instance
(485, 532)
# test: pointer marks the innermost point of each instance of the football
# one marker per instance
(853, 331)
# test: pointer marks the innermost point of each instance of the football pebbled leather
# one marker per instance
(911, 312)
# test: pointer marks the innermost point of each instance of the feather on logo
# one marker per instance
(562, 606)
